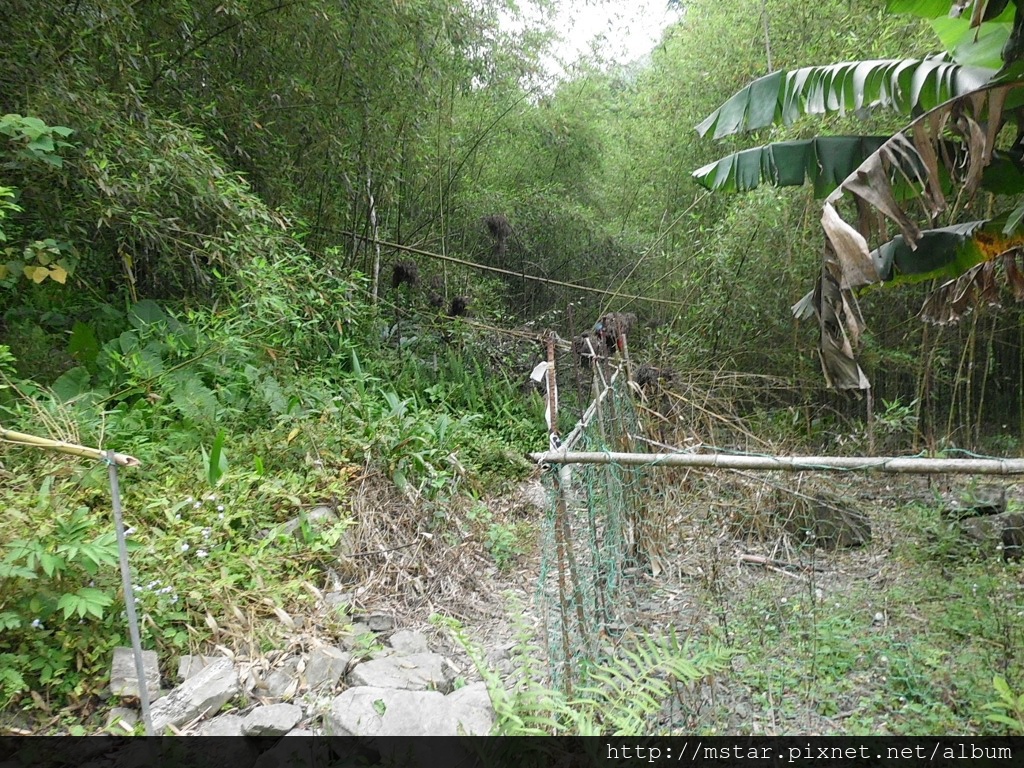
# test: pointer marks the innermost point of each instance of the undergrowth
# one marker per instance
(627, 692)
(242, 418)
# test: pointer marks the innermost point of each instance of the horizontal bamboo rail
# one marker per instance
(889, 464)
(20, 438)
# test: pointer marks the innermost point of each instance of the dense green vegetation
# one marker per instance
(227, 233)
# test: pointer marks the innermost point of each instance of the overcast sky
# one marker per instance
(625, 29)
(622, 30)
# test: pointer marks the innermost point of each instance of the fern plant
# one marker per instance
(621, 695)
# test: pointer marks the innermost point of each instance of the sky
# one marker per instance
(625, 29)
(622, 30)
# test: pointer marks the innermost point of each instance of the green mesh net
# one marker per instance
(591, 533)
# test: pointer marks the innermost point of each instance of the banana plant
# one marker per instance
(898, 209)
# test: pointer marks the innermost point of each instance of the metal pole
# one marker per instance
(129, 595)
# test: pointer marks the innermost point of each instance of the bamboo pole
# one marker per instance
(20, 438)
(887, 464)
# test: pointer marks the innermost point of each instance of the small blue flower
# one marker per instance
(184, 546)
(37, 624)
(201, 553)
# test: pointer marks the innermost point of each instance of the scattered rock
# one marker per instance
(833, 522)
(1005, 531)
(982, 501)
(281, 683)
(209, 690)
(472, 710)
(533, 497)
(408, 641)
(190, 665)
(380, 622)
(123, 680)
(325, 666)
(318, 519)
(272, 720)
(301, 752)
(353, 638)
(413, 672)
(122, 719)
(223, 725)
(371, 711)
(339, 600)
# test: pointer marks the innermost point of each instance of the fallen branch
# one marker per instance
(776, 564)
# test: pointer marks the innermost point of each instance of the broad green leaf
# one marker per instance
(146, 312)
(72, 384)
(903, 85)
(824, 161)
(974, 46)
(945, 252)
(929, 9)
(83, 344)
(217, 463)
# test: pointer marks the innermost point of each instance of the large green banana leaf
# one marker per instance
(903, 85)
(944, 253)
(825, 161)
(959, 30)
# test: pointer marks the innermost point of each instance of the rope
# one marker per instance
(510, 273)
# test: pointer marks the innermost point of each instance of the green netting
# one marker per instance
(590, 533)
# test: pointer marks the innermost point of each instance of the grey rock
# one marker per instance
(408, 641)
(379, 622)
(318, 519)
(325, 666)
(472, 710)
(1002, 532)
(533, 497)
(282, 682)
(370, 711)
(354, 637)
(830, 521)
(272, 720)
(124, 681)
(339, 600)
(415, 672)
(977, 502)
(223, 725)
(143, 753)
(296, 753)
(119, 717)
(208, 691)
(190, 665)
